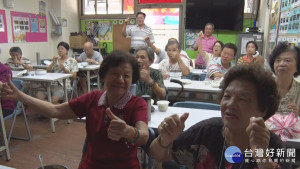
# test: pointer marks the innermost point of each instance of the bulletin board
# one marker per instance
(3, 27)
(28, 27)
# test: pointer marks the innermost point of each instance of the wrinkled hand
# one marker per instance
(294, 108)
(259, 135)
(62, 66)
(126, 20)
(144, 74)
(117, 128)
(147, 40)
(200, 34)
(18, 62)
(9, 90)
(171, 127)
(89, 60)
(55, 58)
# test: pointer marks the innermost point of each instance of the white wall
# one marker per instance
(263, 21)
(63, 8)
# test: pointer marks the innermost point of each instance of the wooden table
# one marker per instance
(48, 78)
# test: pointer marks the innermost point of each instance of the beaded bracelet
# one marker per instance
(137, 136)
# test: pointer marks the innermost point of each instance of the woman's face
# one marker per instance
(62, 51)
(238, 104)
(251, 49)
(172, 51)
(217, 49)
(143, 59)
(118, 79)
(285, 64)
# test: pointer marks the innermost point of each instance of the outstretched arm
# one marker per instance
(124, 27)
(60, 111)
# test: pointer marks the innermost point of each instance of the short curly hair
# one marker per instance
(266, 88)
(149, 52)
(281, 48)
(116, 58)
(254, 43)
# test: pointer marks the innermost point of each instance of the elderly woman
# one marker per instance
(285, 63)
(251, 48)
(248, 97)
(151, 81)
(216, 52)
(17, 62)
(116, 120)
(175, 63)
(61, 64)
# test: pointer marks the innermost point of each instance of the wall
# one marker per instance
(64, 8)
(224, 36)
(263, 22)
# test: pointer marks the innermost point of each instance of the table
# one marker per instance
(88, 70)
(34, 66)
(48, 78)
(194, 86)
(195, 115)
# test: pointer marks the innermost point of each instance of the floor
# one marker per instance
(62, 147)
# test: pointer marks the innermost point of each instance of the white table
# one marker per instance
(195, 86)
(48, 78)
(34, 66)
(88, 70)
(195, 115)
(198, 71)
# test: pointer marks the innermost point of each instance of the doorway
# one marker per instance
(164, 22)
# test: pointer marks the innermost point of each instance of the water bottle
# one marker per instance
(148, 101)
(38, 58)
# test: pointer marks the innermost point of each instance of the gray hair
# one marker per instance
(149, 51)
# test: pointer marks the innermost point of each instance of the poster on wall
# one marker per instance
(28, 27)
(3, 27)
(34, 25)
(1, 23)
(105, 32)
(42, 25)
(42, 8)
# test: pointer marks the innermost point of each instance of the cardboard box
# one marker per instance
(77, 41)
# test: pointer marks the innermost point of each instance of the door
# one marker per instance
(164, 22)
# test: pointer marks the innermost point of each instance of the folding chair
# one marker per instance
(19, 108)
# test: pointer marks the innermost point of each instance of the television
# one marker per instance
(224, 14)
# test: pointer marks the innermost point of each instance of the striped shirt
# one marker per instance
(138, 35)
(207, 46)
(215, 66)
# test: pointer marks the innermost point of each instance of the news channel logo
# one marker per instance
(233, 155)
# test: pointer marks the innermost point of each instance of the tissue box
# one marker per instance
(77, 41)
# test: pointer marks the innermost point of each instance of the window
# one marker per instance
(103, 7)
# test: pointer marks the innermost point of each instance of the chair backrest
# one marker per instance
(197, 105)
(18, 84)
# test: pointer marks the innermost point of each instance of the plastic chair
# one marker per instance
(197, 105)
(18, 110)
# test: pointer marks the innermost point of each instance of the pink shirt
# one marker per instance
(207, 45)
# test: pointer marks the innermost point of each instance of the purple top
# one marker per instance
(207, 45)
(6, 104)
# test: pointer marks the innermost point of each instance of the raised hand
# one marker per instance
(144, 74)
(147, 40)
(55, 58)
(117, 128)
(171, 127)
(126, 20)
(293, 108)
(259, 135)
(200, 34)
